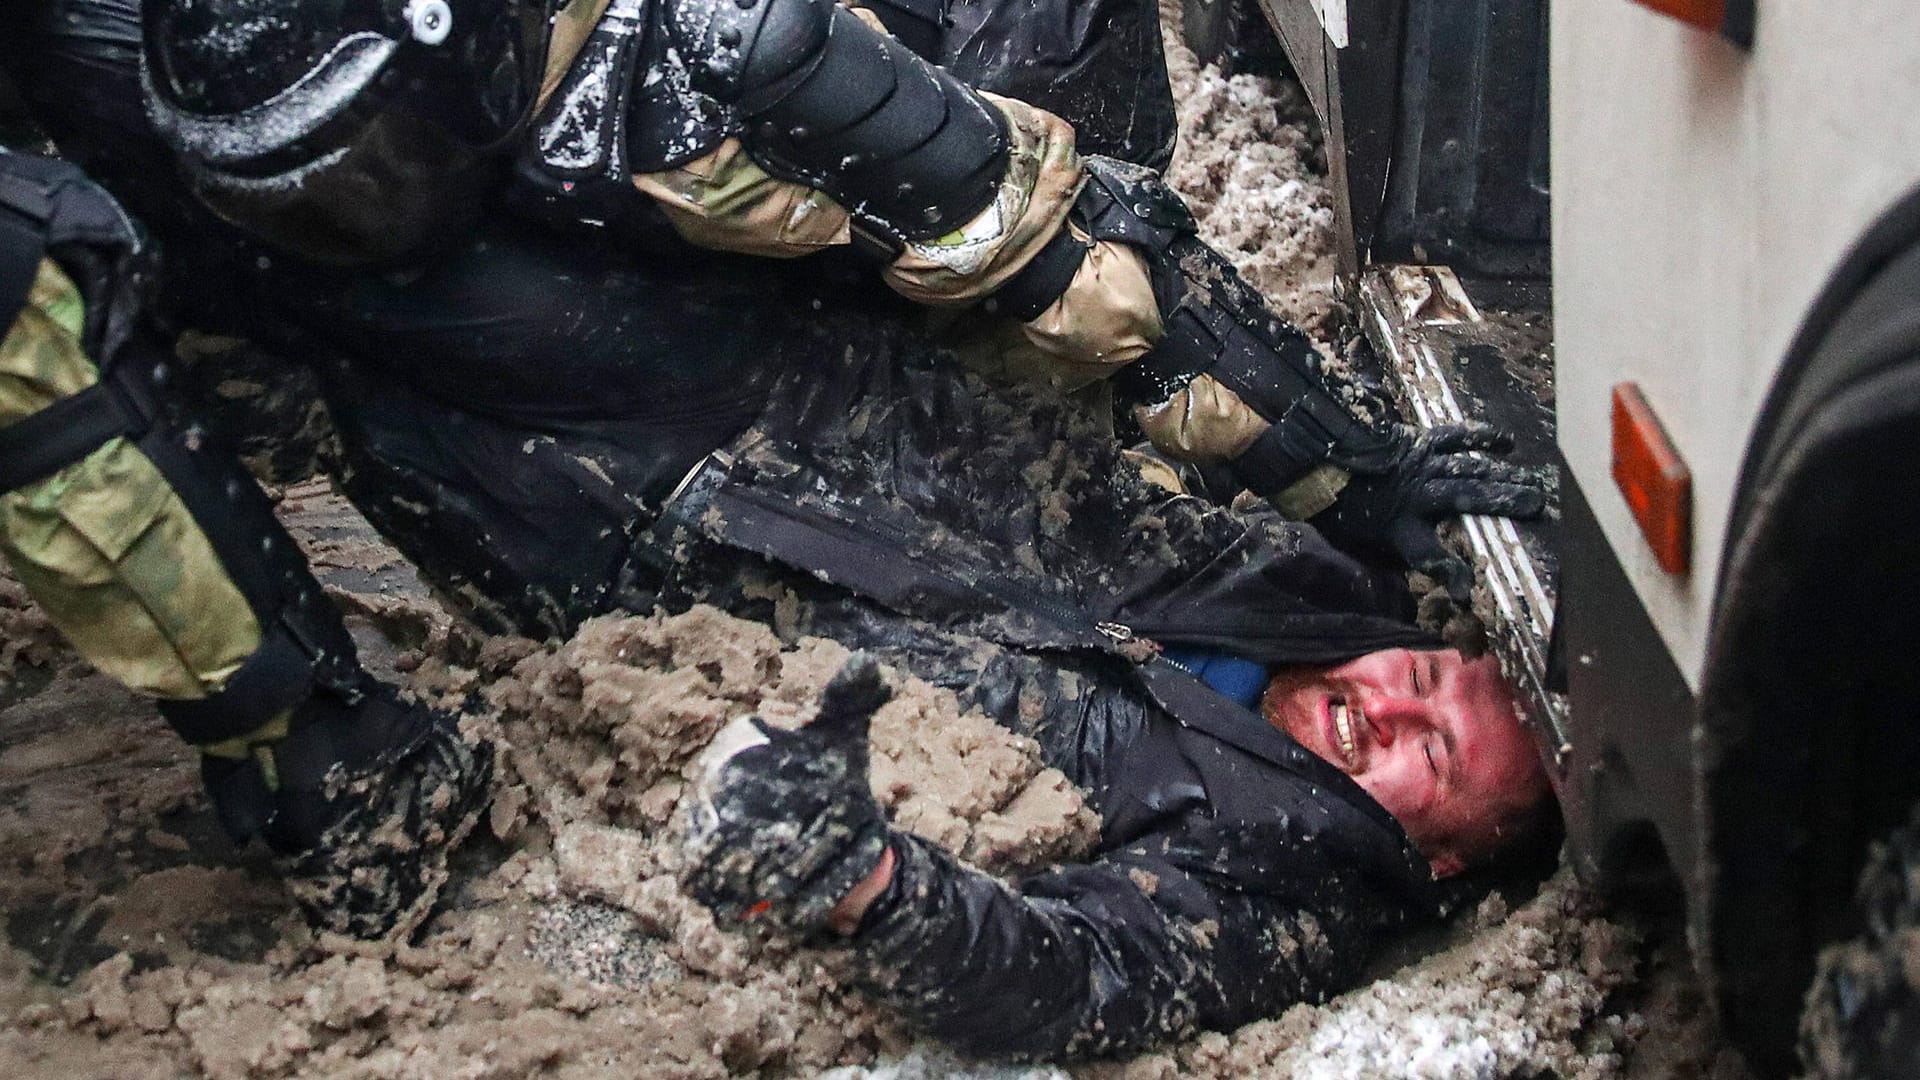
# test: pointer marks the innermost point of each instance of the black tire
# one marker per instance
(1862, 1017)
(1806, 749)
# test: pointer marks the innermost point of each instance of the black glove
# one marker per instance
(1392, 501)
(783, 822)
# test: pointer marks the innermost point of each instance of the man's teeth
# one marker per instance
(1344, 728)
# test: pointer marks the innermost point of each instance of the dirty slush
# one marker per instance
(138, 945)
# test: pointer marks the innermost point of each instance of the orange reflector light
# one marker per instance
(1656, 483)
(1705, 14)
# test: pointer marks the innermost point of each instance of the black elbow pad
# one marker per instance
(828, 101)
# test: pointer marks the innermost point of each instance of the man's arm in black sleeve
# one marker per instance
(1146, 944)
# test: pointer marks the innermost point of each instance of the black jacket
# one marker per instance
(991, 542)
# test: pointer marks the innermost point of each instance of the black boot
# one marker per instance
(362, 803)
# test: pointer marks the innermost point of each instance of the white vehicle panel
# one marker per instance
(1702, 194)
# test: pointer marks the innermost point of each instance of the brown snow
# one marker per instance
(566, 948)
(1250, 166)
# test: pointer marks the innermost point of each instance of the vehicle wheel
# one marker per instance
(1863, 1012)
(1806, 747)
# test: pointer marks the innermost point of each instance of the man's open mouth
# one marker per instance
(1343, 733)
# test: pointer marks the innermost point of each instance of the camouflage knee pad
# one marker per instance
(105, 545)
(159, 559)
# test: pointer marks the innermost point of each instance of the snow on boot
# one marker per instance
(362, 802)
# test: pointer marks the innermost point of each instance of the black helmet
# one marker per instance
(342, 130)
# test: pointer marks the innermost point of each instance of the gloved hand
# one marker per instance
(783, 824)
(1393, 501)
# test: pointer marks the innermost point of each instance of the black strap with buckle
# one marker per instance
(42, 444)
(277, 677)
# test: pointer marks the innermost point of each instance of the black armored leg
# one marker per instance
(163, 563)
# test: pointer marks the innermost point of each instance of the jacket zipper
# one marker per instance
(1012, 594)
(1015, 596)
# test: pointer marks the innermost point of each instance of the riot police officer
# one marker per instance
(359, 133)
(162, 563)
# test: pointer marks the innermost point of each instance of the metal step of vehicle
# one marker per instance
(1455, 351)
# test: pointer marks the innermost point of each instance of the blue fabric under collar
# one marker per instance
(1243, 681)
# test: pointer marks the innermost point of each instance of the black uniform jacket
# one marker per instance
(987, 539)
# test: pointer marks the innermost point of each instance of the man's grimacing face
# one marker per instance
(1433, 737)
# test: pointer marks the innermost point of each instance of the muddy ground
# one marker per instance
(139, 944)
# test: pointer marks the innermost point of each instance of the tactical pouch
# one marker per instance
(1218, 326)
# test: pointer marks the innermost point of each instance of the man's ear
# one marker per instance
(1445, 864)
